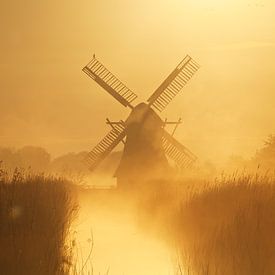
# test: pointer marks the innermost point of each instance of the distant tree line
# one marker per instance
(37, 159)
(263, 158)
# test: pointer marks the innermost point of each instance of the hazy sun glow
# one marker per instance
(52, 103)
(211, 3)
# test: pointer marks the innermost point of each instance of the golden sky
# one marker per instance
(228, 107)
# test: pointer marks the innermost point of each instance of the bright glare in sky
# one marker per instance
(214, 3)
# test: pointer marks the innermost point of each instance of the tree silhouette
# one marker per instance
(266, 155)
(37, 158)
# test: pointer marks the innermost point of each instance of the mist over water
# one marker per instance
(120, 245)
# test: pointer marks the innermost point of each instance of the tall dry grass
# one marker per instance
(221, 228)
(35, 216)
(229, 228)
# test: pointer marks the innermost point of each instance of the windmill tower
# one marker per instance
(146, 142)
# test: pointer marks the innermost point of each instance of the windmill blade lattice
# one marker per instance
(177, 152)
(109, 82)
(105, 146)
(173, 84)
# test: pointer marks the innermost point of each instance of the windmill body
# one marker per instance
(147, 143)
(143, 157)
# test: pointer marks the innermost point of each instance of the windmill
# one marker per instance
(147, 142)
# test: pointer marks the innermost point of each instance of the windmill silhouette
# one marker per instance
(147, 142)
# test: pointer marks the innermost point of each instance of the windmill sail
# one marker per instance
(105, 146)
(173, 84)
(109, 82)
(177, 152)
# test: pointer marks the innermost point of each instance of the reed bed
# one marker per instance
(36, 212)
(223, 227)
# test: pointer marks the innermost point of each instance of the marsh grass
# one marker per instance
(229, 229)
(221, 227)
(35, 216)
